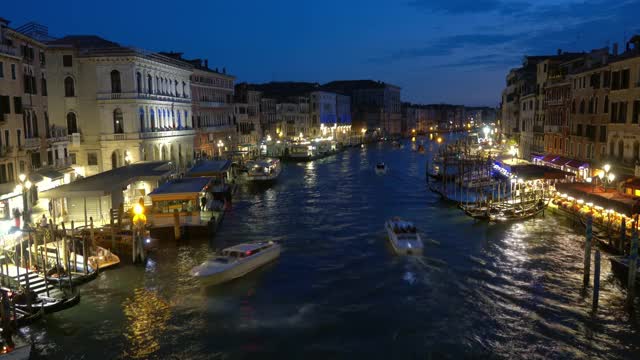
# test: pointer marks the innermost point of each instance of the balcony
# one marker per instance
(8, 50)
(5, 150)
(163, 134)
(142, 96)
(118, 137)
(61, 163)
(212, 104)
(32, 143)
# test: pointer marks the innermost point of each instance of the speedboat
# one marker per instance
(404, 237)
(235, 262)
(263, 170)
(381, 168)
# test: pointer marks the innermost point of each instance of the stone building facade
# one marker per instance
(119, 105)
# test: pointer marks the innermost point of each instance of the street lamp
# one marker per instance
(23, 187)
(486, 132)
(220, 145)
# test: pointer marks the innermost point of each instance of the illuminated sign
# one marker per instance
(501, 170)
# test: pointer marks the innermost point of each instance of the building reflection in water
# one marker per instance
(147, 316)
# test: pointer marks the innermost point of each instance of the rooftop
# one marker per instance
(109, 181)
(209, 167)
(182, 186)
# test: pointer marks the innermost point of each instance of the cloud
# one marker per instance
(446, 45)
(484, 61)
(470, 6)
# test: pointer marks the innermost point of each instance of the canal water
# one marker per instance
(337, 292)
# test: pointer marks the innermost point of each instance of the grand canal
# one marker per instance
(490, 291)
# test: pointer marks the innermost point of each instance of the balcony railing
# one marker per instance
(146, 135)
(32, 143)
(8, 50)
(146, 96)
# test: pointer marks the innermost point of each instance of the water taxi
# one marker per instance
(404, 237)
(235, 262)
(263, 170)
(381, 168)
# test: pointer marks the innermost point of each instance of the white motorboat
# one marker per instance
(381, 168)
(263, 170)
(404, 237)
(235, 262)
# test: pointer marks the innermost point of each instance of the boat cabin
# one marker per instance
(263, 167)
(187, 196)
(244, 250)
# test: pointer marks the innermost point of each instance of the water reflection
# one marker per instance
(147, 316)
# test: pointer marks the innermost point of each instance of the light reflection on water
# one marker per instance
(506, 291)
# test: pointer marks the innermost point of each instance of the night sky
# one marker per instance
(453, 51)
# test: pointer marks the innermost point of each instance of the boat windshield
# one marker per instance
(222, 260)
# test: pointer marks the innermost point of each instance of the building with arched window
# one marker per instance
(131, 109)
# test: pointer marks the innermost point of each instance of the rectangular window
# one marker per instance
(624, 81)
(1, 70)
(636, 112)
(615, 80)
(13, 71)
(3, 174)
(579, 130)
(614, 112)
(72, 157)
(10, 176)
(622, 112)
(6, 138)
(19, 137)
(17, 105)
(67, 60)
(21, 166)
(92, 159)
(606, 79)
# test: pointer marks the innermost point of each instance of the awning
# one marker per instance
(576, 164)
(549, 158)
(560, 161)
(50, 173)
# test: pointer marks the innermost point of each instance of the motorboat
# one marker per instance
(103, 259)
(404, 237)
(263, 170)
(235, 262)
(381, 168)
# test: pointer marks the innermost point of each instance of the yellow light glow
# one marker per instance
(22, 177)
(580, 201)
(439, 140)
(138, 209)
(27, 184)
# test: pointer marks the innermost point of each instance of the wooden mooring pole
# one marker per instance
(633, 264)
(587, 252)
(596, 282)
(176, 224)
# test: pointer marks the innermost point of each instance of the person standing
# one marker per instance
(16, 217)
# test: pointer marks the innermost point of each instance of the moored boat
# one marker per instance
(48, 304)
(78, 276)
(620, 268)
(263, 170)
(404, 237)
(381, 168)
(16, 348)
(235, 262)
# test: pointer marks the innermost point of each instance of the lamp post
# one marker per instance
(220, 145)
(24, 186)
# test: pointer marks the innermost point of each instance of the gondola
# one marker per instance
(61, 277)
(515, 214)
(620, 268)
(24, 318)
(49, 304)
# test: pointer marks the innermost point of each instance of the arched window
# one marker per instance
(118, 127)
(179, 120)
(152, 117)
(34, 119)
(43, 85)
(72, 123)
(612, 146)
(149, 84)
(573, 107)
(606, 107)
(139, 82)
(595, 106)
(175, 86)
(158, 87)
(114, 160)
(184, 89)
(582, 106)
(636, 151)
(115, 82)
(186, 117)
(26, 119)
(142, 127)
(69, 87)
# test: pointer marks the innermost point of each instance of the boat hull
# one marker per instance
(620, 268)
(398, 248)
(241, 269)
(19, 353)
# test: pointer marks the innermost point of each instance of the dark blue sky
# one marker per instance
(455, 51)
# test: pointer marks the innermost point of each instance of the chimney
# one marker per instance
(559, 51)
(615, 49)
